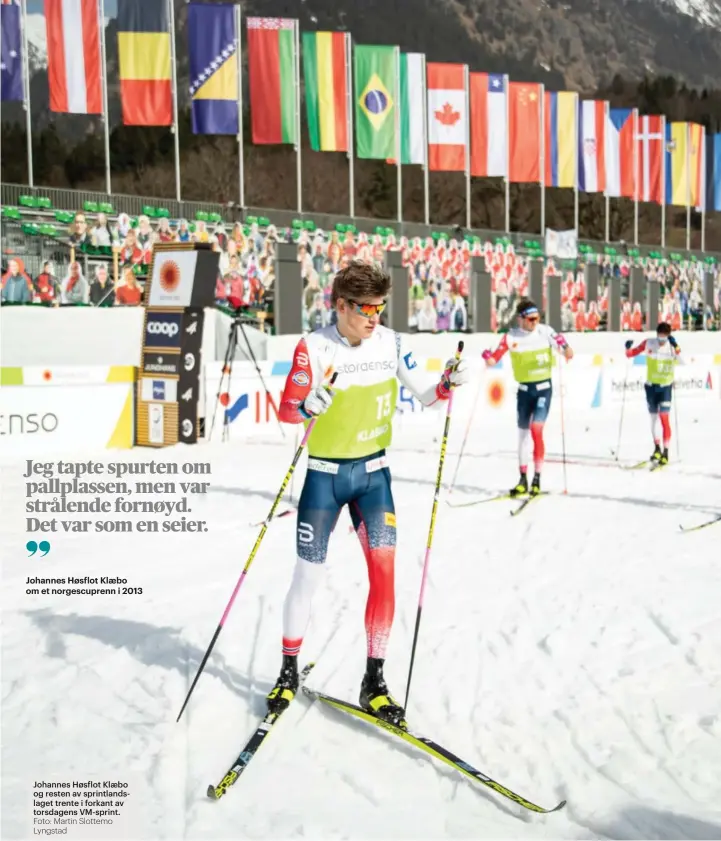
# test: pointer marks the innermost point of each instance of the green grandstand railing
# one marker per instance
(21, 199)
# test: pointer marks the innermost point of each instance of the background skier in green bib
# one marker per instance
(347, 464)
(662, 354)
(530, 345)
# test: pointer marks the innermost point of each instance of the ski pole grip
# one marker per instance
(460, 348)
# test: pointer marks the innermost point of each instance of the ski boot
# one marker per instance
(664, 456)
(536, 485)
(657, 455)
(376, 699)
(286, 686)
(521, 488)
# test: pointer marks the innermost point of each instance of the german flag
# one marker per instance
(144, 58)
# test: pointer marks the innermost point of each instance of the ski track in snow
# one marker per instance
(573, 652)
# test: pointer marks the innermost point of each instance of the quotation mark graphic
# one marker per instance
(33, 547)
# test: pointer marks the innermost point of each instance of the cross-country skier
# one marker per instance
(530, 347)
(347, 464)
(662, 353)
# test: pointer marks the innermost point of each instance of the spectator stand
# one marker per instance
(438, 262)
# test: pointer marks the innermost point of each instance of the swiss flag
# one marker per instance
(447, 116)
(524, 132)
(650, 137)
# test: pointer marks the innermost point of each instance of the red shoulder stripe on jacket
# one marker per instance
(500, 350)
(298, 384)
(634, 351)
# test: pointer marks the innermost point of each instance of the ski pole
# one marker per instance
(465, 437)
(563, 429)
(292, 479)
(431, 529)
(623, 404)
(675, 423)
(252, 555)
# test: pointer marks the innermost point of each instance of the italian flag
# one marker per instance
(325, 69)
(413, 94)
(272, 72)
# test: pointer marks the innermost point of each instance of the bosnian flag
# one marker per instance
(591, 146)
(489, 117)
(73, 56)
(620, 163)
(447, 116)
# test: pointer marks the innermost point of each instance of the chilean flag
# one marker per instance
(74, 56)
(621, 127)
(489, 143)
(592, 146)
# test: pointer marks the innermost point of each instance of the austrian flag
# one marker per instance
(447, 117)
(73, 56)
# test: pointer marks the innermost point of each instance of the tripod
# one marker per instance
(236, 327)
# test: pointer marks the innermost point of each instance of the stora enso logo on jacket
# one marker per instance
(359, 367)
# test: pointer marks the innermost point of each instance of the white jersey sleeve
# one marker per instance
(414, 379)
(555, 340)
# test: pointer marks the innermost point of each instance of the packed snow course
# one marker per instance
(572, 652)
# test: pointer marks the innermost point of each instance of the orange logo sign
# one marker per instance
(169, 275)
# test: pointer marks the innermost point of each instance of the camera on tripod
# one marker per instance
(241, 316)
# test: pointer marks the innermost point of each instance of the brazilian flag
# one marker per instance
(376, 74)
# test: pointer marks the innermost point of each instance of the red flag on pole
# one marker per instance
(524, 132)
(73, 56)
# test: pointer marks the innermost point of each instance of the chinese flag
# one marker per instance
(524, 132)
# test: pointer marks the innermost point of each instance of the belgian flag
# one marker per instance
(144, 58)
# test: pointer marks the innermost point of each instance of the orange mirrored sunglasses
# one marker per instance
(368, 310)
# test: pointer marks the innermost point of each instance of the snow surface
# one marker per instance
(573, 652)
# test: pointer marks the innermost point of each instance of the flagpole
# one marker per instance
(635, 176)
(349, 107)
(508, 153)
(298, 162)
(26, 91)
(688, 186)
(426, 196)
(704, 164)
(468, 146)
(104, 79)
(664, 152)
(606, 197)
(241, 119)
(576, 209)
(607, 232)
(171, 17)
(542, 159)
(399, 151)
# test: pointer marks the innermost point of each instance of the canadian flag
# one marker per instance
(447, 116)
